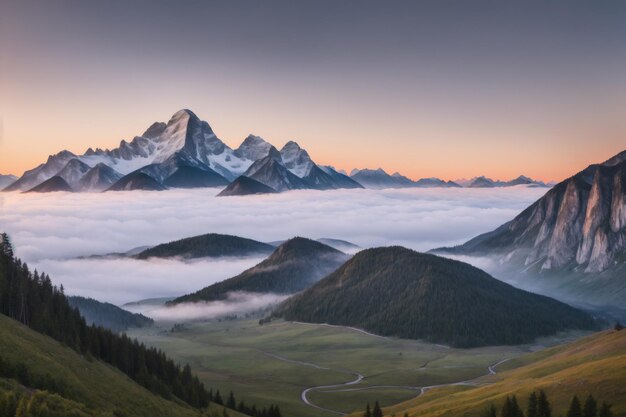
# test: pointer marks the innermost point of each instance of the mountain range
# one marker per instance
(571, 241)
(186, 153)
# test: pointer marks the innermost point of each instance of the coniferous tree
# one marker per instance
(217, 398)
(230, 402)
(377, 412)
(490, 411)
(532, 406)
(605, 410)
(516, 410)
(590, 409)
(506, 410)
(368, 411)
(6, 246)
(574, 408)
(543, 405)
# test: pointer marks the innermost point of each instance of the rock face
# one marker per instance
(578, 224)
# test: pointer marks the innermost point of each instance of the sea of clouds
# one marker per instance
(50, 231)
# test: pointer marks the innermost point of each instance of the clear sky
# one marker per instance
(428, 88)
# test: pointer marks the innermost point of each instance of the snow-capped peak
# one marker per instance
(296, 159)
(253, 148)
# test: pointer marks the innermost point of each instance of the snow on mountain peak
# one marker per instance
(253, 148)
(296, 159)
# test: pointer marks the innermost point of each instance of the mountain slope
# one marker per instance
(271, 171)
(210, 245)
(576, 230)
(90, 382)
(246, 186)
(41, 173)
(137, 181)
(293, 266)
(342, 180)
(6, 180)
(183, 171)
(398, 292)
(51, 185)
(99, 178)
(108, 315)
(378, 178)
(592, 365)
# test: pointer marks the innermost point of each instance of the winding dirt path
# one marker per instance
(491, 369)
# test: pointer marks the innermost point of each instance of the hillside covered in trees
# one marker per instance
(210, 245)
(398, 292)
(30, 299)
(295, 265)
(108, 315)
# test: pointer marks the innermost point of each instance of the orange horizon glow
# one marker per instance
(460, 157)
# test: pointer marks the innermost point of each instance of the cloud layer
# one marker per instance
(50, 229)
(236, 303)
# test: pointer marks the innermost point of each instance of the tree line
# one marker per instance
(538, 406)
(30, 298)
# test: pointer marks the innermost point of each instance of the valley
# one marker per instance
(289, 360)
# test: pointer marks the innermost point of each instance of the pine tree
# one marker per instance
(543, 405)
(377, 412)
(217, 398)
(590, 409)
(5, 245)
(506, 410)
(605, 410)
(490, 411)
(368, 411)
(532, 406)
(574, 408)
(515, 408)
(230, 402)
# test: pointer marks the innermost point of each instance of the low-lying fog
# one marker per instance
(50, 230)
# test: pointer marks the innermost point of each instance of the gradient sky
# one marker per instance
(430, 88)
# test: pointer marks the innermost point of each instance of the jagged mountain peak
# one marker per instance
(253, 148)
(154, 130)
(296, 159)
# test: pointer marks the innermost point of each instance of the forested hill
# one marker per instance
(31, 299)
(295, 265)
(108, 315)
(398, 292)
(209, 245)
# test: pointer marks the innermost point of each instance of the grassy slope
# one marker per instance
(592, 365)
(98, 386)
